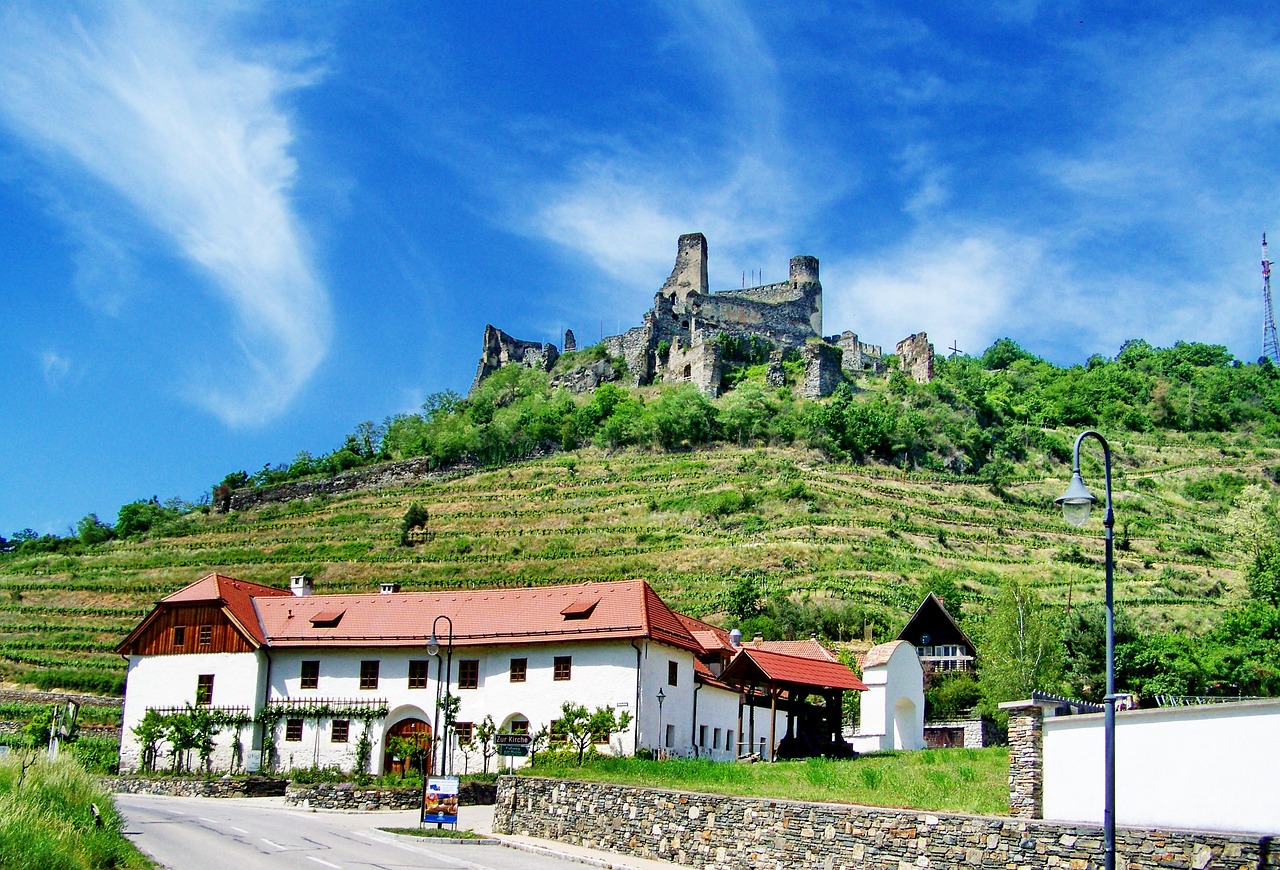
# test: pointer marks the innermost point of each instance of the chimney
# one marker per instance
(758, 639)
(735, 638)
(388, 588)
(300, 585)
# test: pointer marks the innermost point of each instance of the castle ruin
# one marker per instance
(678, 342)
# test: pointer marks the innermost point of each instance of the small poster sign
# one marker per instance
(440, 800)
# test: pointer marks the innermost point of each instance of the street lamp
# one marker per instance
(661, 698)
(1076, 503)
(433, 650)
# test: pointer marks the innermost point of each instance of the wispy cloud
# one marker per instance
(167, 113)
(55, 367)
(622, 204)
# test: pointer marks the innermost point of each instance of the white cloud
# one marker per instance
(968, 286)
(165, 113)
(623, 207)
(56, 368)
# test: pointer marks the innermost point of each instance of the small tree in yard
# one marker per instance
(582, 728)
(468, 748)
(484, 736)
(411, 750)
(538, 741)
(150, 731)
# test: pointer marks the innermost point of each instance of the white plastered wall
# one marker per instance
(1213, 767)
(169, 681)
(718, 715)
(891, 711)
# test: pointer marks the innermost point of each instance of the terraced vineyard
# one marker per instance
(691, 523)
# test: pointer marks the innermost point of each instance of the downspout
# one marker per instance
(266, 695)
(693, 729)
(635, 732)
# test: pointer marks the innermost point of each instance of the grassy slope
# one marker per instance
(48, 824)
(865, 533)
(947, 780)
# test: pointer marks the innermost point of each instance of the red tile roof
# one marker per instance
(805, 649)
(625, 610)
(753, 665)
(712, 638)
(236, 595)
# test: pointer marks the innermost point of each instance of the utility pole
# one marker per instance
(1270, 347)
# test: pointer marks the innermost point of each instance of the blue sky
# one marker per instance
(234, 230)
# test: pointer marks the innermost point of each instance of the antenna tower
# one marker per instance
(1270, 346)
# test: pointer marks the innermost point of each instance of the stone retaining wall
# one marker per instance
(726, 833)
(220, 788)
(349, 796)
(30, 696)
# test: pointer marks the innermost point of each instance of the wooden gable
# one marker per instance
(932, 621)
(204, 628)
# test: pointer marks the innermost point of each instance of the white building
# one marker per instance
(321, 674)
(891, 713)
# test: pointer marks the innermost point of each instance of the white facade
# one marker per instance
(339, 675)
(1213, 767)
(166, 682)
(625, 676)
(891, 711)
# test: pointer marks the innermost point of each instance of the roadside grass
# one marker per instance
(47, 823)
(944, 780)
(435, 833)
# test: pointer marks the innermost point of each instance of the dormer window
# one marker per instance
(580, 609)
(327, 618)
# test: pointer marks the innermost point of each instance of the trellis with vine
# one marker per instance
(319, 709)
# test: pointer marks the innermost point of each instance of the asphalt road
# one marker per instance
(264, 834)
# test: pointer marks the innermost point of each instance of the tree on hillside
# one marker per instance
(413, 528)
(1020, 645)
(91, 530)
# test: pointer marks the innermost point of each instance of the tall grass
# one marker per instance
(945, 780)
(47, 823)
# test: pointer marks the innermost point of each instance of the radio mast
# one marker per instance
(1270, 346)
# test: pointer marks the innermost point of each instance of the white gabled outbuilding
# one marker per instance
(312, 678)
(891, 715)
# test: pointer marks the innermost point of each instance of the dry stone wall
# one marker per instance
(727, 833)
(349, 796)
(218, 788)
(384, 476)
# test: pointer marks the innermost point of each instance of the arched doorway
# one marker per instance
(415, 730)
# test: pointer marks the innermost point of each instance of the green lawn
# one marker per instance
(946, 780)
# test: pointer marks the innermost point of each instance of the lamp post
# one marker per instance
(661, 698)
(433, 650)
(1076, 504)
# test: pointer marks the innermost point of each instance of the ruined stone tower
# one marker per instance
(689, 277)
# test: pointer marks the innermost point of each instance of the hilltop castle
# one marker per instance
(678, 341)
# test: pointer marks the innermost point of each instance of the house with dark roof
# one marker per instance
(320, 675)
(941, 644)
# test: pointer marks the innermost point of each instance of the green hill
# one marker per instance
(843, 513)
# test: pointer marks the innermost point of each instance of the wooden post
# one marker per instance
(773, 722)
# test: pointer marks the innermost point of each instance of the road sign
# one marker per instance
(513, 750)
(512, 739)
